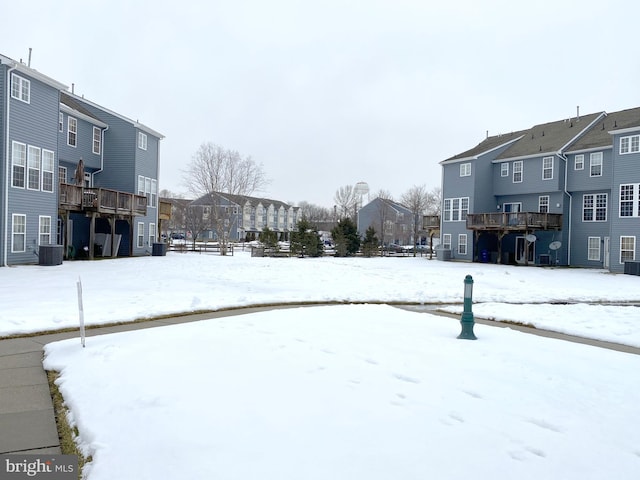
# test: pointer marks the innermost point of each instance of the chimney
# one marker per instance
(578, 113)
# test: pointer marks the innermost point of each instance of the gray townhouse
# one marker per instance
(74, 174)
(559, 193)
(244, 217)
(392, 221)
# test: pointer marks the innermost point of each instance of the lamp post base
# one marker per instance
(467, 323)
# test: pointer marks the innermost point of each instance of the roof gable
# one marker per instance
(487, 145)
(599, 136)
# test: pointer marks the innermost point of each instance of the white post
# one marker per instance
(81, 311)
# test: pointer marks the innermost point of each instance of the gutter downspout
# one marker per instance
(566, 171)
(101, 155)
(5, 218)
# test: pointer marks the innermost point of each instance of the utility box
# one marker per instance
(443, 254)
(50, 254)
(632, 268)
(159, 249)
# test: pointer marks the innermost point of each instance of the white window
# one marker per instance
(595, 162)
(18, 232)
(504, 169)
(62, 174)
(72, 131)
(61, 122)
(579, 162)
(456, 209)
(97, 140)
(465, 169)
(462, 244)
(19, 164)
(627, 249)
(20, 88)
(630, 144)
(630, 200)
(152, 233)
(594, 207)
(33, 168)
(147, 189)
(44, 236)
(47, 170)
(593, 249)
(154, 193)
(543, 204)
(446, 241)
(140, 235)
(547, 168)
(517, 171)
(140, 185)
(142, 141)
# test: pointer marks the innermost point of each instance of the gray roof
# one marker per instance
(549, 137)
(599, 136)
(241, 200)
(488, 144)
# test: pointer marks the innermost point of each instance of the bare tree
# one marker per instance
(385, 217)
(434, 201)
(315, 213)
(215, 171)
(346, 200)
(416, 199)
(197, 220)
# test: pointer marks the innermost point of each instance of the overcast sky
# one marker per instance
(333, 93)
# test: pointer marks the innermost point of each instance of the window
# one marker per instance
(72, 131)
(152, 233)
(20, 88)
(627, 249)
(517, 171)
(87, 180)
(154, 193)
(140, 235)
(61, 122)
(33, 168)
(97, 140)
(446, 241)
(593, 248)
(19, 163)
(543, 204)
(594, 207)
(140, 185)
(630, 200)
(18, 232)
(462, 244)
(630, 144)
(547, 168)
(596, 164)
(47, 170)
(456, 209)
(465, 169)
(142, 141)
(579, 162)
(62, 174)
(44, 237)
(504, 169)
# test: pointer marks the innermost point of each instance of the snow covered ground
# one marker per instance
(340, 392)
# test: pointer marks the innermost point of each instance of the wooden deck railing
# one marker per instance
(102, 200)
(430, 222)
(514, 221)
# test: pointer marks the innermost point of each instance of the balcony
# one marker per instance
(430, 222)
(76, 198)
(516, 221)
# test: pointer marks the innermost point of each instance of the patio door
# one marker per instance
(521, 245)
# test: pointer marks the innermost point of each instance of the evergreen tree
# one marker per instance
(306, 240)
(269, 238)
(345, 235)
(370, 243)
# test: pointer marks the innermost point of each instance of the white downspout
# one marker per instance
(7, 164)
(101, 156)
(566, 171)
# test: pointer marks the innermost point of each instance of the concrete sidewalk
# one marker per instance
(27, 419)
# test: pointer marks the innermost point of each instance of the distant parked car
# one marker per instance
(177, 236)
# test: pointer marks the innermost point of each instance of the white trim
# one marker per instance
(13, 164)
(74, 132)
(546, 169)
(13, 232)
(520, 163)
(632, 250)
(40, 225)
(596, 240)
(575, 160)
